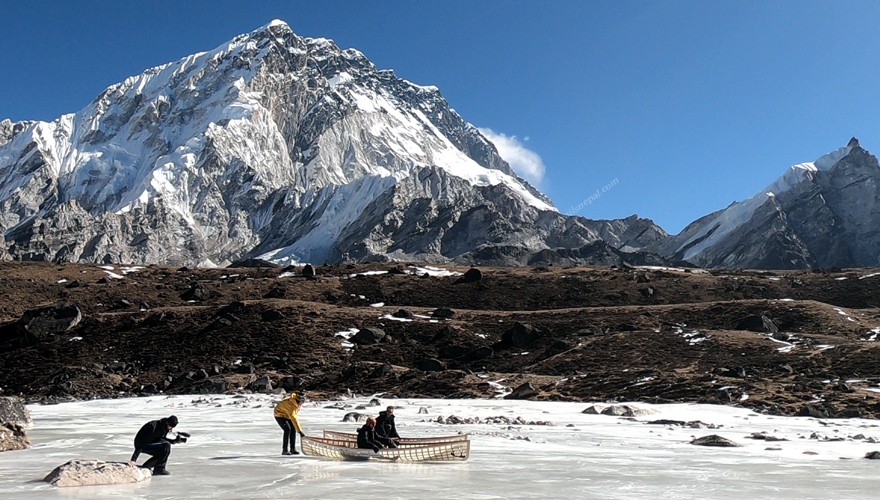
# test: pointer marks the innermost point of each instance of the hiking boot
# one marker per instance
(285, 452)
(294, 452)
(160, 471)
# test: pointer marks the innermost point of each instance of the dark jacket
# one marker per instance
(153, 431)
(385, 427)
(367, 438)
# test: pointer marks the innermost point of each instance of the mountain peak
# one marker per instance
(853, 143)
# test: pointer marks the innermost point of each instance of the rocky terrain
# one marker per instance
(792, 342)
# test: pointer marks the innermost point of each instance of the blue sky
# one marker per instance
(670, 109)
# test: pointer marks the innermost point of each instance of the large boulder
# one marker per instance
(13, 437)
(367, 336)
(41, 322)
(95, 472)
(519, 336)
(13, 410)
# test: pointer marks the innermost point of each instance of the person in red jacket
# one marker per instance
(152, 439)
(285, 414)
(367, 436)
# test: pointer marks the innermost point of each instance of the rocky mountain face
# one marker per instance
(819, 214)
(278, 147)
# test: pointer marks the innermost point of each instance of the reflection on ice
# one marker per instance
(234, 452)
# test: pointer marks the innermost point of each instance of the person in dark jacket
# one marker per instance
(386, 431)
(152, 439)
(367, 436)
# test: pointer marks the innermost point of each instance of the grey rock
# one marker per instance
(713, 440)
(13, 410)
(96, 472)
(354, 417)
(626, 411)
(13, 436)
(524, 391)
(262, 384)
(370, 335)
(40, 322)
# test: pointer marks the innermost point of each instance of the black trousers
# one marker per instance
(159, 454)
(387, 441)
(289, 433)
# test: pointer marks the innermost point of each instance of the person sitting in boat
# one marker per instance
(285, 414)
(367, 436)
(386, 431)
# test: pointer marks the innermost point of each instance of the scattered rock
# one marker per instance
(443, 313)
(524, 391)
(13, 436)
(308, 271)
(354, 417)
(277, 292)
(272, 315)
(262, 384)
(430, 365)
(403, 313)
(369, 335)
(763, 436)
(713, 440)
(196, 292)
(627, 411)
(518, 336)
(252, 263)
(813, 411)
(472, 275)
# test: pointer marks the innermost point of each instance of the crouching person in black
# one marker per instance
(152, 440)
(367, 436)
(386, 430)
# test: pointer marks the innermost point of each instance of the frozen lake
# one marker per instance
(234, 453)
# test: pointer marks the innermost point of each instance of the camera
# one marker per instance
(181, 437)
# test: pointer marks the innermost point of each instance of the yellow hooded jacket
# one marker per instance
(288, 408)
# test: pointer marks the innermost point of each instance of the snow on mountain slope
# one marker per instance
(818, 214)
(274, 145)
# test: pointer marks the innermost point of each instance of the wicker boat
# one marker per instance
(407, 441)
(343, 449)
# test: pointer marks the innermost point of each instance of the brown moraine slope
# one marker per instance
(781, 342)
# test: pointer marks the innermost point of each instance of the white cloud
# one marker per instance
(522, 160)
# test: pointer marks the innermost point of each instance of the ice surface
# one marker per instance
(234, 453)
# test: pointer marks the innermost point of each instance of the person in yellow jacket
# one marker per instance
(285, 415)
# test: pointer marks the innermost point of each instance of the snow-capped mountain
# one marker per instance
(818, 214)
(273, 146)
